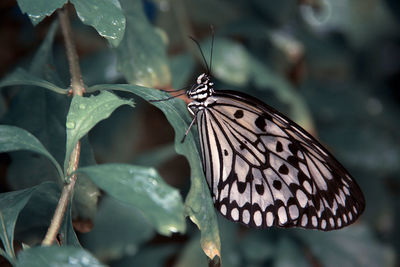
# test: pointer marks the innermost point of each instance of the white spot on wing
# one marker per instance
(307, 186)
(323, 224)
(314, 221)
(346, 191)
(293, 212)
(316, 175)
(304, 220)
(235, 214)
(223, 209)
(257, 218)
(246, 216)
(282, 215)
(301, 198)
(269, 218)
(350, 215)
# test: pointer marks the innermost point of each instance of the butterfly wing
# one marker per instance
(264, 170)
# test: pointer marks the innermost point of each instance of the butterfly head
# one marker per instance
(202, 89)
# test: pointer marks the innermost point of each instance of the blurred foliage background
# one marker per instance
(333, 66)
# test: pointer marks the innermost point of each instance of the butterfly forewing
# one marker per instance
(264, 170)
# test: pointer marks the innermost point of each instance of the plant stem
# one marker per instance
(77, 85)
(77, 88)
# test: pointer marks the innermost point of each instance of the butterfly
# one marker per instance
(263, 169)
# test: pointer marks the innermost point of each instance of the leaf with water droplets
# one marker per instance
(86, 112)
(142, 54)
(14, 138)
(37, 10)
(105, 16)
(56, 256)
(143, 188)
(198, 204)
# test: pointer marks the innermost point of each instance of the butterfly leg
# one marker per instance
(188, 129)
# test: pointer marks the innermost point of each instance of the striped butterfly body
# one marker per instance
(264, 170)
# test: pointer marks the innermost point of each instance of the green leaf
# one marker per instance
(351, 246)
(257, 247)
(154, 255)
(22, 77)
(191, 255)
(37, 10)
(130, 230)
(13, 138)
(198, 205)
(182, 67)
(42, 64)
(143, 188)
(230, 62)
(11, 204)
(39, 211)
(155, 157)
(105, 16)
(56, 256)
(289, 254)
(86, 112)
(142, 54)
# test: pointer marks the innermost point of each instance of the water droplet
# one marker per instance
(82, 106)
(70, 125)
(173, 229)
(73, 261)
(85, 260)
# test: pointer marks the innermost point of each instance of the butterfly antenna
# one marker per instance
(165, 99)
(212, 48)
(176, 90)
(201, 51)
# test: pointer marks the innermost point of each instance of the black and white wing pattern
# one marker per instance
(264, 170)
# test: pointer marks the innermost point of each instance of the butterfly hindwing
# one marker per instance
(264, 170)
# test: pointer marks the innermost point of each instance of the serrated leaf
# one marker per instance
(198, 204)
(56, 256)
(142, 53)
(86, 112)
(143, 188)
(39, 9)
(105, 16)
(11, 204)
(13, 138)
(22, 77)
